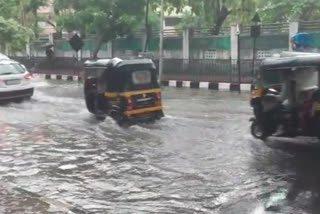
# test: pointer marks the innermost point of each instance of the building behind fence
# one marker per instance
(192, 54)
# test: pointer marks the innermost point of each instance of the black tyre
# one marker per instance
(100, 117)
(159, 115)
(18, 100)
(90, 102)
(28, 98)
(90, 94)
(257, 131)
(117, 116)
(317, 128)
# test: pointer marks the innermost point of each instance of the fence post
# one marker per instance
(185, 45)
(110, 49)
(293, 29)
(235, 49)
(144, 38)
(185, 49)
(234, 43)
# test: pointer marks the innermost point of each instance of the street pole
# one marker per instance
(239, 59)
(254, 56)
(255, 33)
(161, 42)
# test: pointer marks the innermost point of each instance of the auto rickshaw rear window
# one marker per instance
(141, 77)
(272, 77)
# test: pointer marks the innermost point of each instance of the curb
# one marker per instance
(171, 83)
(59, 77)
(207, 85)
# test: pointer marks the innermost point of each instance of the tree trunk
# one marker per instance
(35, 24)
(220, 18)
(97, 47)
(147, 27)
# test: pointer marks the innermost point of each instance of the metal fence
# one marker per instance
(208, 70)
(309, 26)
(59, 65)
(268, 28)
(204, 70)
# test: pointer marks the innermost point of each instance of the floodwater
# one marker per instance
(56, 158)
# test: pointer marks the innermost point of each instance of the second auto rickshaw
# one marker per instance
(126, 90)
(286, 96)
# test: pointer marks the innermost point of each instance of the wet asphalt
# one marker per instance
(56, 158)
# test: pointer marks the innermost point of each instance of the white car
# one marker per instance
(15, 81)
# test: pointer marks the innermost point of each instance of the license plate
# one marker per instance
(144, 99)
(13, 82)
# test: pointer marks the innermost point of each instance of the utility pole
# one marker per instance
(239, 58)
(255, 33)
(161, 42)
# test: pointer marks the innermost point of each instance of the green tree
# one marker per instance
(8, 8)
(216, 13)
(15, 23)
(104, 19)
(289, 10)
(32, 6)
(152, 15)
(24, 12)
(13, 34)
(152, 19)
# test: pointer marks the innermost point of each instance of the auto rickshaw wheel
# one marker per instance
(257, 131)
(159, 115)
(317, 128)
(90, 102)
(100, 117)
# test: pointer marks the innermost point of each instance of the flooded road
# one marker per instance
(56, 158)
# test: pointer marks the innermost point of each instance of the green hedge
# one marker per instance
(89, 44)
(315, 39)
(223, 43)
(133, 44)
(266, 42)
(168, 44)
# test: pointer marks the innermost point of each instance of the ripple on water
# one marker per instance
(68, 167)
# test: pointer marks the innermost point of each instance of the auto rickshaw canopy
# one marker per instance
(289, 60)
(117, 62)
(118, 75)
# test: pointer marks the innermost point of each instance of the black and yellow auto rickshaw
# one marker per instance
(126, 90)
(286, 96)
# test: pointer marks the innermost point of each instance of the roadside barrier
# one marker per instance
(222, 86)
